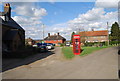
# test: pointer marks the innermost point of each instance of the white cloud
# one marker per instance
(20, 0)
(95, 18)
(39, 12)
(91, 15)
(29, 17)
(34, 32)
(107, 3)
(52, 1)
(26, 10)
(32, 28)
(23, 21)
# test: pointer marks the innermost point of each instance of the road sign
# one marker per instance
(76, 44)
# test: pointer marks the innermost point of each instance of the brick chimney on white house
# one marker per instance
(48, 34)
(58, 33)
(7, 12)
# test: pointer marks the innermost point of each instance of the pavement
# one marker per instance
(102, 64)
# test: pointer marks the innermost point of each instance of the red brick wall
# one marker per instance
(54, 41)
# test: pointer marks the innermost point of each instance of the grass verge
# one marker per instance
(68, 52)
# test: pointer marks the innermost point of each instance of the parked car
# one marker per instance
(42, 48)
(35, 45)
(67, 44)
(50, 46)
(39, 44)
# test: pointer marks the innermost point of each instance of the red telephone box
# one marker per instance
(76, 44)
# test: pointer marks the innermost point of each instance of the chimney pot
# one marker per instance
(58, 33)
(92, 29)
(7, 10)
(48, 34)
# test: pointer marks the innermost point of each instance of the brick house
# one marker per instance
(94, 36)
(55, 39)
(29, 41)
(13, 35)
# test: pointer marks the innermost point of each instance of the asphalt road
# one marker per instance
(102, 64)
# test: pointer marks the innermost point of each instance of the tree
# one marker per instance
(73, 33)
(115, 32)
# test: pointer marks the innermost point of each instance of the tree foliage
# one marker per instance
(73, 33)
(115, 32)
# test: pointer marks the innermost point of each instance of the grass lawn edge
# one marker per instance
(68, 53)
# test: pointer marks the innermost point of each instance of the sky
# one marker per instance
(63, 17)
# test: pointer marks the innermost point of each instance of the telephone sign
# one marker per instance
(76, 44)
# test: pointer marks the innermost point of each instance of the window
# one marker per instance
(95, 41)
(102, 36)
(88, 41)
(94, 37)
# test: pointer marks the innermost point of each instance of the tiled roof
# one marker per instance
(54, 37)
(94, 33)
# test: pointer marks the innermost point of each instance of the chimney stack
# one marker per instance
(92, 29)
(58, 33)
(48, 34)
(7, 11)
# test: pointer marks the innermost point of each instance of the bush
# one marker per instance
(63, 44)
(114, 42)
(89, 44)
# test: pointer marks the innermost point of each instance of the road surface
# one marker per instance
(102, 64)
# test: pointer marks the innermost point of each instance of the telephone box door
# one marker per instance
(76, 45)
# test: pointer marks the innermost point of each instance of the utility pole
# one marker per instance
(108, 33)
(79, 31)
(43, 30)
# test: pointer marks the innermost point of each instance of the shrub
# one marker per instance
(89, 44)
(114, 42)
(63, 44)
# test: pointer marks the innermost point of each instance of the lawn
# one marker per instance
(68, 53)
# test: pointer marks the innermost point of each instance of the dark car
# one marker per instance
(67, 44)
(42, 48)
(50, 45)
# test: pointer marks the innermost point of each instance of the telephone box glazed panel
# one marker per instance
(76, 45)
